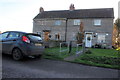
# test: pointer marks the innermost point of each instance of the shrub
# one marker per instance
(88, 51)
(118, 48)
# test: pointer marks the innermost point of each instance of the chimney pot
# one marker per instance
(71, 8)
(41, 10)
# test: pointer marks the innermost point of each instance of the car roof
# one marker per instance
(17, 31)
(21, 32)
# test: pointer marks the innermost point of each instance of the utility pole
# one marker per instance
(83, 44)
(66, 29)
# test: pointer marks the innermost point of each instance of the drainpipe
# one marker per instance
(66, 29)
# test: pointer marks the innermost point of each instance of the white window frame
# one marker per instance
(97, 22)
(76, 22)
(101, 38)
(56, 36)
(58, 22)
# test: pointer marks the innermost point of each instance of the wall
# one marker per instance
(105, 28)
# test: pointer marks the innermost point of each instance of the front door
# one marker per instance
(46, 36)
(88, 40)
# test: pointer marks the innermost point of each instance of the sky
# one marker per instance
(17, 15)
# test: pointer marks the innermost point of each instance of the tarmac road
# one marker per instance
(44, 68)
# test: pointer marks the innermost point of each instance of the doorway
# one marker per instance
(88, 40)
(46, 36)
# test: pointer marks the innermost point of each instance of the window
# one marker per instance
(42, 22)
(58, 22)
(3, 36)
(76, 22)
(13, 35)
(57, 36)
(73, 36)
(39, 33)
(101, 38)
(97, 22)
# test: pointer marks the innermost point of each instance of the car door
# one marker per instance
(3, 39)
(11, 41)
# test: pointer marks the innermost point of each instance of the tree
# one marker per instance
(79, 37)
(117, 23)
(80, 34)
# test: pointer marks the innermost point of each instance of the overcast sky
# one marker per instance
(18, 14)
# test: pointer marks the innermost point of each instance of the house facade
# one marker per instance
(65, 24)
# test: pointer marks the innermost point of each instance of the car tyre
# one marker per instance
(38, 56)
(17, 54)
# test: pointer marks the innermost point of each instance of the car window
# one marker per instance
(20, 34)
(13, 35)
(34, 37)
(3, 35)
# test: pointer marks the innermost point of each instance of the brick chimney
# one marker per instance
(41, 10)
(71, 8)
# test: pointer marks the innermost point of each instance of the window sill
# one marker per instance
(97, 25)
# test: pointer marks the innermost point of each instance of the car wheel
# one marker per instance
(17, 54)
(38, 56)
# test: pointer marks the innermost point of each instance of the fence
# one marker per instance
(64, 46)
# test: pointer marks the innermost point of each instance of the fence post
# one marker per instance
(60, 49)
(83, 46)
(70, 46)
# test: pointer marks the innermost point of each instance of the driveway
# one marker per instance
(44, 68)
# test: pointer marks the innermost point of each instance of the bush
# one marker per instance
(88, 51)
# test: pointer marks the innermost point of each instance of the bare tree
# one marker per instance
(117, 23)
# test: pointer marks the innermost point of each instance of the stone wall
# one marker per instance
(49, 24)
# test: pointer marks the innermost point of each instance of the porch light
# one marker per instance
(96, 33)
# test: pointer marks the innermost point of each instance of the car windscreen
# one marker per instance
(34, 37)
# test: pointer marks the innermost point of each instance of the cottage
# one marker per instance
(65, 24)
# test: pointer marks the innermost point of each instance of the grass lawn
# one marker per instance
(98, 57)
(104, 52)
(54, 53)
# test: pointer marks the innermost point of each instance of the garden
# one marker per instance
(109, 58)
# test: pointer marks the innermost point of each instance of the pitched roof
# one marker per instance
(76, 14)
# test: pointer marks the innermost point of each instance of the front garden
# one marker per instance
(100, 57)
(109, 58)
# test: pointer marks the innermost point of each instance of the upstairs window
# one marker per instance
(76, 22)
(42, 22)
(58, 22)
(97, 22)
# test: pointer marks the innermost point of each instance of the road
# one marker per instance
(44, 68)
